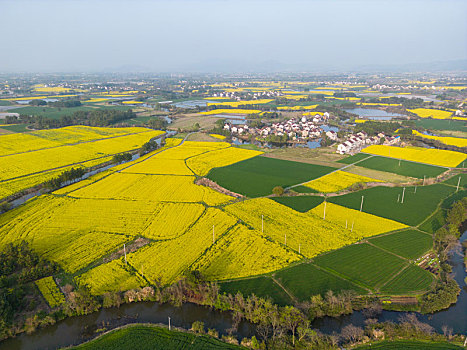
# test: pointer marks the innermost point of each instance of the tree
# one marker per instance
(292, 318)
(198, 327)
(352, 333)
(278, 190)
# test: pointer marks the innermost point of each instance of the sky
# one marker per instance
(212, 35)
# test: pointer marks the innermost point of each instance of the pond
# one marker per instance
(376, 114)
(192, 103)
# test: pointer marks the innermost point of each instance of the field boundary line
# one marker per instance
(394, 276)
(341, 276)
(291, 296)
(387, 251)
(338, 169)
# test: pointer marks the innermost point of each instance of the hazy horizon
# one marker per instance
(214, 35)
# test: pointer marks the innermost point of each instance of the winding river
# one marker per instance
(75, 330)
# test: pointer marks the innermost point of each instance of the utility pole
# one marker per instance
(353, 222)
(299, 248)
(346, 224)
(424, 180)
(398, 197)
(169, 323)
(415, 191)
(399, 162)
(361, 204)
(403, 192)
(458, 183)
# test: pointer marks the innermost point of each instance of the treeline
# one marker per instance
(446, 290)
(65, 177)
(19, 267)
(121, 157)
(99, 117)
(406, 102)
(61, 103)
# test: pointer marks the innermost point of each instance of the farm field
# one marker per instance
(42, 158)
(382, 201)
(401, 167)
(146, 337)
(305, 280)
(263, 287)
(453, 141)
(157, 259)
(203, 163)
(50, 291)
(431, 113)
(264, 174)
(306, 233)
(431, 156)
(242, 253)
(437, 124)
(356, 263)
(409, 345)
(337, 181)
(409, 244)
(110, 277)
(300, 203)
(410, 280)
(366, 225)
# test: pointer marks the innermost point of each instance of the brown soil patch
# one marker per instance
(211, 184)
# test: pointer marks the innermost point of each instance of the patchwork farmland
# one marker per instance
(175, 211)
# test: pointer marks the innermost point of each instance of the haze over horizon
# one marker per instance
(215, 35)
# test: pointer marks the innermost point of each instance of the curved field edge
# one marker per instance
(150, 336)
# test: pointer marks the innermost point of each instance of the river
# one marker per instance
(75, 330)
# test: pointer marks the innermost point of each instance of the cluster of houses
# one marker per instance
(247, 96)
(355, 143)
(296, 129)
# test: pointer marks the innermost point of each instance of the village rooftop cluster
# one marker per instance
(301, 129)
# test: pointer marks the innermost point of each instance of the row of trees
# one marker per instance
(98, 117)
(64, 178)
(446, 290)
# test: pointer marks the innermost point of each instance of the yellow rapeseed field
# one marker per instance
(54, 228)
(416, 154)
(232, 111)
(337, 181)
(216, 136)
(304, 232)
(453, 141)
(50, 291)
(160, 260)
(364, 224)
(296, 108)
(241, 103)
(157, 188)
(111, 277)
(203, 163)
(431, 113)
(241, 253)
